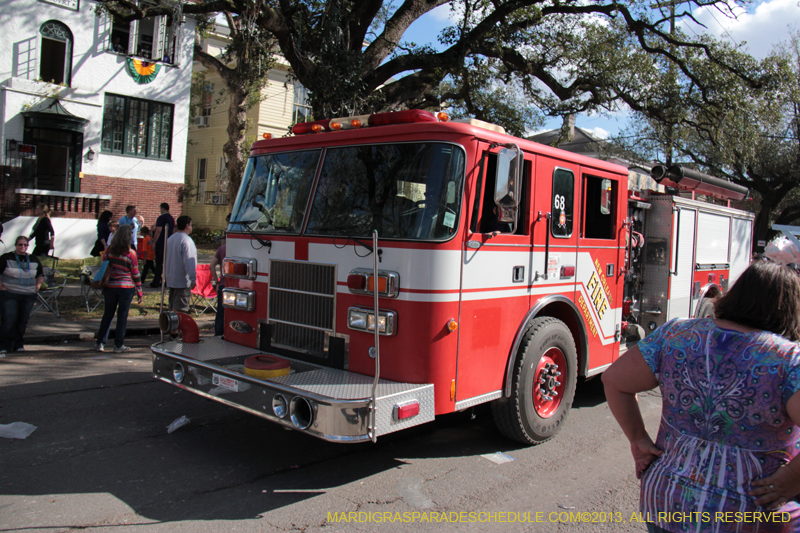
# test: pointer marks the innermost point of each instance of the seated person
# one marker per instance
(491, 224)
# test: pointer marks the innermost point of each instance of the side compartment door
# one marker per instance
(741, 247)
(601, 252)
(682, 258)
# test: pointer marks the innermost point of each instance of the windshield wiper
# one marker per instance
(368, 247)
(246, 224)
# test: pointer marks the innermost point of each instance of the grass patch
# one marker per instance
(70, 269)
(73, 308)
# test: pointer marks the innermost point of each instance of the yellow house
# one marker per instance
(283, 103)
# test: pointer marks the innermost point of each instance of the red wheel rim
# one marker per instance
(548, 386)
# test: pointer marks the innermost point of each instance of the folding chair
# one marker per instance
(47, 297)
(203, 295)
(91, 297)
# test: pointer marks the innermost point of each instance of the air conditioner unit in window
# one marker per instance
(201, 121)
(217, 199)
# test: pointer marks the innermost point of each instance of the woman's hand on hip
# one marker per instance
(644, 452)
(776, 489)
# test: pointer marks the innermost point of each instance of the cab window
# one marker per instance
(485, 202)
(563, 203)
(599, 208)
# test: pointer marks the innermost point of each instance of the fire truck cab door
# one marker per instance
(496, 270)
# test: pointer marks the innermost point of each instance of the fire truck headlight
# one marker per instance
(364, 320)
(357, 319)
(239, 299)
(381, 323)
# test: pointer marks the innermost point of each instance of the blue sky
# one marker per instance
(764, 24)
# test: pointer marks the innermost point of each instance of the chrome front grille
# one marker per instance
(302, 305)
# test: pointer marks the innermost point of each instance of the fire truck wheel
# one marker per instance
(706, 309)
(543, 386)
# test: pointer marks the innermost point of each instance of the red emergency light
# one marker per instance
(402, 117)
(366, 282)
(357, 282)
(409, 116)
(309, 127)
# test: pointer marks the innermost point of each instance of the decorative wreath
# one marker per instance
(142, 71)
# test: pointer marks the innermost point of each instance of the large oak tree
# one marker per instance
(749, 135)
(508, 61)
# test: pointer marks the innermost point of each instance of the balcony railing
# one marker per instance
(61, 204)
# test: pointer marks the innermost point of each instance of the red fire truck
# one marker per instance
(389, 268)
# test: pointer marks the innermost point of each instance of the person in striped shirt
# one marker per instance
(123, 283)
(21, 276)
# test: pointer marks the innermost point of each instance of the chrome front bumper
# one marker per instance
(339, 400)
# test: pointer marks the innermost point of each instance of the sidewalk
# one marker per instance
(44, 327)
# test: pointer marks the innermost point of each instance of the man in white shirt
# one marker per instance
(180, 270)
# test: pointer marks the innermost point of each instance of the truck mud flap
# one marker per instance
(330, 404)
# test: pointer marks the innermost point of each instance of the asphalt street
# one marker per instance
(101, 460)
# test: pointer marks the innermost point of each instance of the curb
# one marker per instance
(54, 339)
(142, 331)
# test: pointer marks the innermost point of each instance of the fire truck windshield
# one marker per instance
(404, 190)
(275, 191)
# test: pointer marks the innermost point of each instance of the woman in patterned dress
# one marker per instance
(728, 441)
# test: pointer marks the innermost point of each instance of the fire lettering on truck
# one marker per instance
(586, 314)
(604, 281)
(597, 294)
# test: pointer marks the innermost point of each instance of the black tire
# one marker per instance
(528, 416)
(706, 309)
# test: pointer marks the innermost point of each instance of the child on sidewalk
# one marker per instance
(148, 252)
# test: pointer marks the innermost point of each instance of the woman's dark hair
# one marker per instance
(766, 296)
(121, 243)
(105, 217)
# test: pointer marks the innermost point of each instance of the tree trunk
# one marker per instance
(237, 124)
(763, 221)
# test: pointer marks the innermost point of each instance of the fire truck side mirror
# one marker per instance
(509, 163)
(606, 191)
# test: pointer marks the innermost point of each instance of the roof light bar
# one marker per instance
(401, 117)
(408, 116)
(308, 127)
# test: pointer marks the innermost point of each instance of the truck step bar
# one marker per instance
(333, 405)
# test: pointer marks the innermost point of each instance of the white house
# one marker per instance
(93, 116)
